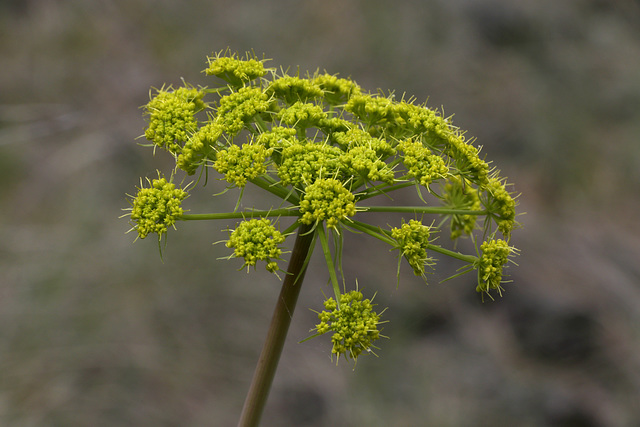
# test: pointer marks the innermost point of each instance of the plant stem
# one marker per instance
(277, 334)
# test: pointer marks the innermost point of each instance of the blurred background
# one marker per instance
(96, 330)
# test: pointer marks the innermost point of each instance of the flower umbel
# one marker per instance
(327, 200)
(320, 145)
(412, 240)
(495, 254)
(257, 240)
(172, 117)
(354, 324)
(157, 207)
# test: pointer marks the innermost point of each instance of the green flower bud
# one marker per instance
(199, 147)
(500, 204)
(239, 108)
(467, 160)
(365, 162)
(461, 196)
(421, 164)
(302, 115)
(301, 164)
(336, 90)
(294, 89)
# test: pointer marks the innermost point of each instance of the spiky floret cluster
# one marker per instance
(326, 200)
(325, 147)
(156, 208)
(257, 240)
(239, 164)
(354, 324)
(495, 254)
(235, 71)
(421, 164)
(412, 241)
(172, 117)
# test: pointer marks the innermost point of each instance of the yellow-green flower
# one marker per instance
(172, 117)
(156, 208)
(326, 200)
(257, 240)
(354, 324)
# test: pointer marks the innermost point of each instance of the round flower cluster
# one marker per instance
(412, 240)
(172, 117)
(238, 108)
(257, 240)
(235, 71)
(421, 164)
(495, 254)
(502, 206)
(326, 200)
(156, 208)
(240, 164)
(354, 324)
(302, 164)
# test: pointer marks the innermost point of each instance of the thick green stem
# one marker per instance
(277, 334)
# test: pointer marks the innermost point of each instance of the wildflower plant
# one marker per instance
(325, 148)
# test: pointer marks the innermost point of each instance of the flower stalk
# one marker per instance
(277, 333)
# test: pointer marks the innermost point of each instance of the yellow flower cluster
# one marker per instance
(257, 240)
(354, 324)
(156, 208)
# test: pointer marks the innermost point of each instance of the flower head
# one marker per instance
(257, 240)
(412, 241)
(326, 200)
(294, 89)
(421, 164)
(172, 117)
(199, 147)
(336, 90)
(156, 208)
(303, 163)
(239, 164)
(353, 322)
(238, 108)
(235, 71)
(501, 205)
(495, 254)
